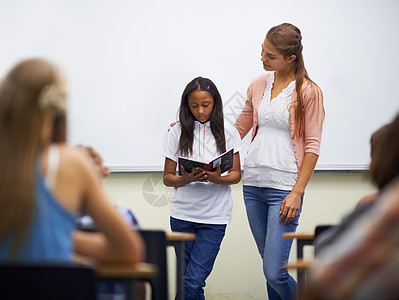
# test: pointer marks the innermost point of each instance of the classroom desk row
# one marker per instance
(129, 273)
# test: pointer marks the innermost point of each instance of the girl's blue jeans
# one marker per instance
(200, 254)
(263, 212)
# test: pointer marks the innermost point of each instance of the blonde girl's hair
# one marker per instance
(31, 100)
(287, 39)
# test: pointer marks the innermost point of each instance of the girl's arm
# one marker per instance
(115, 241)
(171, 179)
(233, 177)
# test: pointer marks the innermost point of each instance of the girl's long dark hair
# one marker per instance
(187, 118)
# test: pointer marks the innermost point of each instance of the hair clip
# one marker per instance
(51, 97)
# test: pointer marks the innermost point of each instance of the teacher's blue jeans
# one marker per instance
(263, 212)
(200, 254)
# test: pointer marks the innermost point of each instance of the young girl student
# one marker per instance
(202, 202)
(44, 185)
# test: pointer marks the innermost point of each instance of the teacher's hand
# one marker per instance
(290, 207)
(173, 124)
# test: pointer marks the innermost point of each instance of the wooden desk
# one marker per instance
(137, 271)
(177, 240)
(300, 264)
(302, 239)
(125, 274)
(174, 236)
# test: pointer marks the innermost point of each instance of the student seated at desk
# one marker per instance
(44, 185)
(359, 259)
(384, 167)
(374, 140)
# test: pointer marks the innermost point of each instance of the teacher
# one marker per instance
(284, 109)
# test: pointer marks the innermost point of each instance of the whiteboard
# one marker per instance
(129, 61)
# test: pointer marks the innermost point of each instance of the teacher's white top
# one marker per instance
(270, 160)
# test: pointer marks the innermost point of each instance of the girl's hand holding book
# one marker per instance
(214, 177)
(196, 174)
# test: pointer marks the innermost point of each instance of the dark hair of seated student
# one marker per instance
(384, 165)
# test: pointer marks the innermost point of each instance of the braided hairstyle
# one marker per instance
(287, 39)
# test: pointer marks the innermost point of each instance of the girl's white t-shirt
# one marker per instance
(201, 202)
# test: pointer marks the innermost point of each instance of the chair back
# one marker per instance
(46, 282)
(321, 228)
(155, 243)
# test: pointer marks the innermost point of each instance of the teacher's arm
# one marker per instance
(290, 206)
(245, 120)
(314, 117)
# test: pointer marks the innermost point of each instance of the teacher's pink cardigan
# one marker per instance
(312, 98)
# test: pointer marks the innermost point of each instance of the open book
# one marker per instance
(225, 160)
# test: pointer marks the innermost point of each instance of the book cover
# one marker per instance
(225, 160)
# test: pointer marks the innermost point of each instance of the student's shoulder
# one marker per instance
(70, 152)
(73, 156)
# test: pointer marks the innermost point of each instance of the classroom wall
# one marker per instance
(128, 62)
(237, 273)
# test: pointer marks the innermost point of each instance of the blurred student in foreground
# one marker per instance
(360, 258)
(45, 185)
